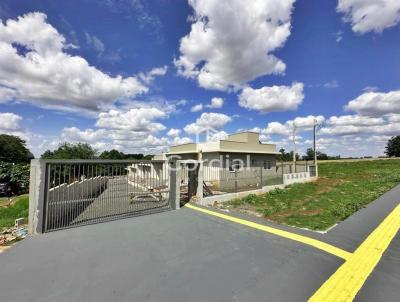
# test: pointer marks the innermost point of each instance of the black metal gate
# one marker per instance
(79, 192)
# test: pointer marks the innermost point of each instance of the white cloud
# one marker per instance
(339, 36)
(331, 84)
(386, 129)
(370, 89)
(9, 122)
(376, 103)
(358, 124)
(217, 136)
(88, 135)
(271, 99)
(355, 120)
(302, 124)
(155, 72)
(173, 132)
(306, 122)
(393, 118)
(10, 125)
(7, 94)
(231, 43)
(370, 15)
(216, 103)
(208, 121)
(124, 140)
(136, 119)
(197, 108)
(180, 140)
(34, 63)
(277, 128)
(348, 135)
(94, 42)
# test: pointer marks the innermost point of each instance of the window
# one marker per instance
(235, 165)
(267, 164)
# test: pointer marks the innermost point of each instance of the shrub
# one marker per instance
(17, 176)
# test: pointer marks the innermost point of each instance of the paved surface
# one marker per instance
(187, 255)
(122, 197)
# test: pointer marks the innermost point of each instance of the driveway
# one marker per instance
(188, 255)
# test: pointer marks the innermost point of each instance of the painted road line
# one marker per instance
(300, 238)
(346, 282)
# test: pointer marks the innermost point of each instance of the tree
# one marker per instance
(393, 146)
(320, 156)
(309, 154)
(283, 156)
(112, 154)
(286, 156)
(15, 175)
(291, 156)
(71, 151)
(139, 156)
(13, 149)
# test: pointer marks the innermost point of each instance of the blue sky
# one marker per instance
(122, 74)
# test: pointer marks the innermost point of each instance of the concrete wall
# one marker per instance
(207, 201)
(300, 177)
(247, 142)
(245, 137)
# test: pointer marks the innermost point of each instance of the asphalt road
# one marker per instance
(185, 256)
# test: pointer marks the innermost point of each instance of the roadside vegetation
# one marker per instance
(342, 189)
(17, 208)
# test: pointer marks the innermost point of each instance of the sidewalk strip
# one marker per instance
(303, 239)
(345, 283)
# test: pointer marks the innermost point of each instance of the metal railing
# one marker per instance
(81, 192)
(222, 180)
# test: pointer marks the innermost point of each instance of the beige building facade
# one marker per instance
(239, 156)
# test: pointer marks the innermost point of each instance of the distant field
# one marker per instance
(19, 208)
(342, 189)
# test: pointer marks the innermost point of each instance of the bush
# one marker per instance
(17, 176)
(342, 211)
(251, 199)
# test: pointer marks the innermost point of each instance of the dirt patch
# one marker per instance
(5, 202)
(280, 215)
(250, 212)
(243, 209)
(325, 185)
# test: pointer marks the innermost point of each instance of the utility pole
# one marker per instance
(316, 125)
(294, 147)
(315, 144)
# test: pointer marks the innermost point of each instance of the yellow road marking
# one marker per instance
(345, 283)
(303, 239)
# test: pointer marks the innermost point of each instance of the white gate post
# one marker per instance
(174, 184)
(200, 179)
(36, 196)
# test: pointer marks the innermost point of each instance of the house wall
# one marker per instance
(245, 137)
(217, 175)
(245, 142)
(252, 176)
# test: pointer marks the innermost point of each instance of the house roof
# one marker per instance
(242, 142)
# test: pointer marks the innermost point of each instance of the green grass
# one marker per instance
(342, 189)
(18, 209)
